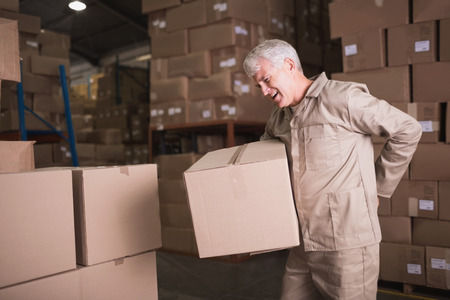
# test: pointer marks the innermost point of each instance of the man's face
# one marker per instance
(276, 84)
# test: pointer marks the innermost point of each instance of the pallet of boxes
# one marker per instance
(119, 132)
(407, 62)
(197, 77)
(41, 52)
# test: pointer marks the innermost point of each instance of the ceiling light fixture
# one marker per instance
(77, 5)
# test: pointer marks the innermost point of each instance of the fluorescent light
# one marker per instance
(77, 5)
(144, 57)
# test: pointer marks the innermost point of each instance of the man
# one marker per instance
(326, 126)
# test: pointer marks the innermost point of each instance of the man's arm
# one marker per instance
(373, 116)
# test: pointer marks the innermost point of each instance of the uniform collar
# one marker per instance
(316, 87)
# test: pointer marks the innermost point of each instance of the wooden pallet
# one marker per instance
(412, 291)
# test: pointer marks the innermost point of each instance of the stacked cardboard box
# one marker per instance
(404, 62)
(176, 220)
(84, 228)
(197, 52)
(108, 132)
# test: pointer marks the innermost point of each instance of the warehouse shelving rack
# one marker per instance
(228, 126)
(47, 135)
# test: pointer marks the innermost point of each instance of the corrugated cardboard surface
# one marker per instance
(396, 229)
(9, 48)
(402, 263)
(431, 88)
(172, 166)
(431, 232)
(412, 43)
(444, 40)
(253, 11)
(427, 10)
(117, 212)
(126, 278)
(172, 191)
(153, 5)
(438, 274)
(157, 22)
(170, 44)
(416, 199)
(38, 234)
(245, 108)
(390, 84)
(237, 205)
(229, 58)
(27, 23)
(173, 112)
(364, 50)
(159, 69)
(217, 85)
(444, 200)
(368, 14)
(38, 84)
(197, 64)
(171, 89)
(47, 65)
(431, 162)
(18, 156)
(218, 35)
(179, 239)
(202, 110)
(186, 16)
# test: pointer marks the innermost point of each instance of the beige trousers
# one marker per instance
(345, 274)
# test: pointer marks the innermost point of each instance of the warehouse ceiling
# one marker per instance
(101, 29)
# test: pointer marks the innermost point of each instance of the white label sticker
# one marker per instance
(237, 82)
(427, 126)
(153, 96)
(448, 267)
(32, 44)
(232, 110)
(162, 24)
(414, 269)
(426, 205)
(422, 46)
(160, 112)
(274, 20)
(220, 7)
(228, 63)
(177, 110)
(224, 107)
(155, 23)
(245, 88)
(351, 50)
(171, 111)
(437, 263)
(153, 113)
(240, 30)
(280, 25)
(206, 114)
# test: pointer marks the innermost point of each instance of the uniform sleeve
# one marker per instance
(266, 135)
(369, 115)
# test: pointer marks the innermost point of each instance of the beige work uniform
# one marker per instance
(335, 181)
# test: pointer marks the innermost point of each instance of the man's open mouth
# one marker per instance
(274, 95)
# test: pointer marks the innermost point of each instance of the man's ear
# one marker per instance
(289, 63)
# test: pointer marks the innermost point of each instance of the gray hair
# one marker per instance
(274, 51)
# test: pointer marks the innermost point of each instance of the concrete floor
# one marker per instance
(183, 277)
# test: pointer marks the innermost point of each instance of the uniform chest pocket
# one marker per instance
(322, 147)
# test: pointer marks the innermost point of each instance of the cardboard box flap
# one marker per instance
(261, 151)
(215, 159)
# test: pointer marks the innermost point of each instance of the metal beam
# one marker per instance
(120, 15)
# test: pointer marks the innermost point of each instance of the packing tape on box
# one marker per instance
(413, 204)
(429, 126)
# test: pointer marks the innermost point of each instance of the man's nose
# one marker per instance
(265, 90)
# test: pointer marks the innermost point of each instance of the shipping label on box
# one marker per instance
(157, 22)
(236, 204)
(416, 199)
(253, 11)
(438, 267)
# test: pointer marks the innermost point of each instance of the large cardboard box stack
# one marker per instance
(73, 230)
(403, 61)
(197, 52)
(176, 220)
